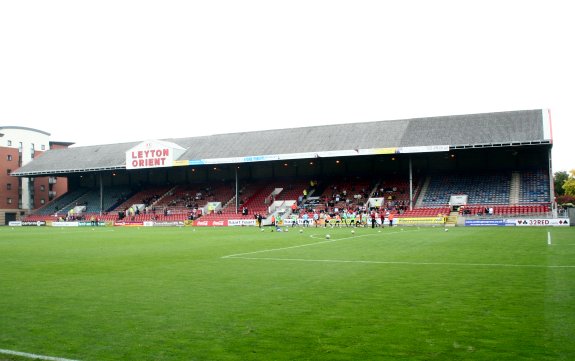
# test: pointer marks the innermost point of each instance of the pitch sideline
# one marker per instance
(33, 356)
(409, 263)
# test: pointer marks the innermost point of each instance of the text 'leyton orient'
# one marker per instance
(149, 158)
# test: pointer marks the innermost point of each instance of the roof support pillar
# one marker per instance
(551, 185)
(410, 185)
(237, 192)
(101, 194)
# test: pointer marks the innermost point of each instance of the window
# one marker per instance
(9, 157)
(42, 188)
(42, 201)
(43, 147)
(8, 171)
(20, 145)
(9, 200)
(9, 186)
(9, 143)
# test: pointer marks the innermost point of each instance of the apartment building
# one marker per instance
(19, 196)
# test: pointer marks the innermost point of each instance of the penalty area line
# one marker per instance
(237, 255)
(314, 236)
(33, 356)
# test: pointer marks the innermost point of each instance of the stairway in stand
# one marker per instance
(451, 220)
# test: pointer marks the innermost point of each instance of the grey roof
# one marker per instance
(456, 131)
(80, 159)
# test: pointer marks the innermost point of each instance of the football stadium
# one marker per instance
(417, 239)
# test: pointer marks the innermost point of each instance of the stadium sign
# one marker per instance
(424, 149)
(89, 223)
(419, 220)
(153, 154)
(128, 224)
(34, 223)
(307, 155)
(64, 224)
(241, 222)
(26, 223)
(488, 223)
(164, 224)
(222, 223)
(541, 222)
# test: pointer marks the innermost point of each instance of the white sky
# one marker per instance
(109, 71)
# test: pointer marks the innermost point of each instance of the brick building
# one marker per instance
(20, 195)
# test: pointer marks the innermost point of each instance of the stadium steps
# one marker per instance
(66, 208)
(65, 200)
(231, 203)
(515, 188)
(424, 188)
(374, 189)
(451, 220)
(166, 194)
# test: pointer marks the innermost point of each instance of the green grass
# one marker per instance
(172, 294)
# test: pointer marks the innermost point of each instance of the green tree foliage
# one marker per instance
(569, 185)
(558, 179)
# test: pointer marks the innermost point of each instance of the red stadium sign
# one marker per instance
(150, 158)
(153, 154)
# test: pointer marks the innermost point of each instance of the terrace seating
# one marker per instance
(507, 210)
(291, 191)
(40, 217)
(61, 202)
(91, 199)
(424, 212)
(343, 193)
(398, 189)
(80, 197)
(256, 197)
(481, 188)
(395, 191)
(534, 187)
(485, 189)
(145, 196)
(181, 199)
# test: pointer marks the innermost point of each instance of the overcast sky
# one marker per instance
(99, 72)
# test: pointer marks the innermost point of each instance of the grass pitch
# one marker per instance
(242, 294)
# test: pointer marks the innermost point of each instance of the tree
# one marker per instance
(559, 179)
(566, 201)
(569, 185)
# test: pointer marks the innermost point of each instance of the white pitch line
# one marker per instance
(237, 255)
(404, 262)
(33, 356)
(284, 248)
